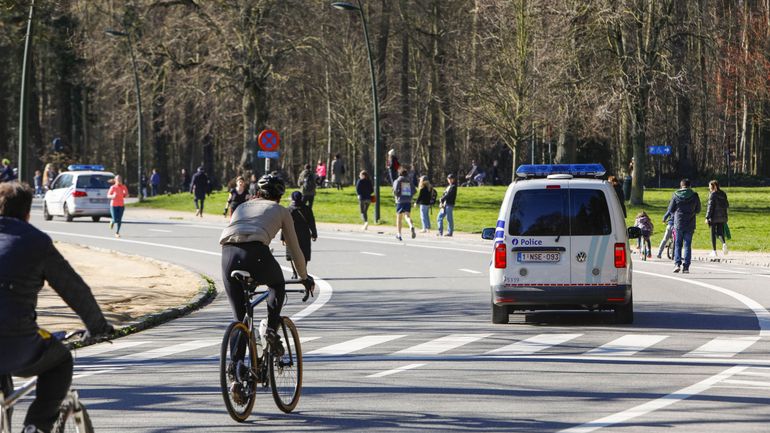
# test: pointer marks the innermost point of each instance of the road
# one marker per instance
(399, 339)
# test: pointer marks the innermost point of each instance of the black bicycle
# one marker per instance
(249, 364)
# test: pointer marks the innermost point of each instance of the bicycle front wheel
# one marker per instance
(237, 365)
(286, 370)
(73, 418)
(670, 251)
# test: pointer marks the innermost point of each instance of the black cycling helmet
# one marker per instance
(271, 187)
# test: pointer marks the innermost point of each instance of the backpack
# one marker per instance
(433, 196)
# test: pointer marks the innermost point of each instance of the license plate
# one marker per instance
(98, 200)
(545, 256)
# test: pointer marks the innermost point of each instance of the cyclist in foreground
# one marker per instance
(28, 257)
(246, 246)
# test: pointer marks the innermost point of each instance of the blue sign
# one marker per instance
(542, 170)
(263, 154)
(659, 150)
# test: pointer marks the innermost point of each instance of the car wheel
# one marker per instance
(499, 314)
(46, 216)
(624, 314)
(67, 215)
(95, 219)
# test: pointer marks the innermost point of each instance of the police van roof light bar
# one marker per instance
(85, 167)
(544, 170)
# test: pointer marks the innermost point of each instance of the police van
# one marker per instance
(81, 191)
(561, 242)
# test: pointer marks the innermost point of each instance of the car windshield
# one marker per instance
(100, 181)
(559, 212)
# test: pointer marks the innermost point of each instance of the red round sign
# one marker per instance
(269, 140)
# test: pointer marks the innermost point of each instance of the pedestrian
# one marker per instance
(447, 205)
(338, 171)
(307, 185)
(143, 183)
(6, 171)
(646, 227)
(304, 226)
(364, 191)
(403, 192)
(38, 184)
(474, 170)
(155, 182)
(716, 216)
(669, 220)
(619, 192)
(184, 180)
(320, 172)
(494, 175)
(49, 175)
(117, 194)
(425, 192)
(253, 187)
(238, 195)
(392, 165)
(199, 187)
(684, 206)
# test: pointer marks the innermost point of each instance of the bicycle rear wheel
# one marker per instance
(237, 364)
(73, 418)
(670, 251)
(286, 371)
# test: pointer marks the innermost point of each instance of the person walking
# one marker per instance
(38, 184)
(117, 194)
(392, 165)
(238, 195)
(684, 206)
(403, 192)
(307, 185)
(338, 171)
(6, 172)
(619, 192)
(364, 191)
(447, 205)
(669, 220)
(154, 182)
(184, 180)
(49, 175)
(304, 226)
(425, 199)
(320, 171)
(199, 187)
(716, 216)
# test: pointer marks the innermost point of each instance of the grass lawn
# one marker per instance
(478, 207)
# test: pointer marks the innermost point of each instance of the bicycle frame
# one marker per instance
(7, 403)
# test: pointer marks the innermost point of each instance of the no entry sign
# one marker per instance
(269, 140)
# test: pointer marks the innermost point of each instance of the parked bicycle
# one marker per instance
(73, 416)
(249, 364)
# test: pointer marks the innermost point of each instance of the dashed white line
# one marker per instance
(372, 254)
(395, 370)
(159, 230)
(470, 271)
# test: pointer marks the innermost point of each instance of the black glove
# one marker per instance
(309, 284)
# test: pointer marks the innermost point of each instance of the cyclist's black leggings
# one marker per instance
(255, 258)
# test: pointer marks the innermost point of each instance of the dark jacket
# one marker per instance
(236, 199)
(306, 182)
(304, 226)
(449, 196)
(716, 210)
(423, 196)
(28, 257)
(364, 189)
(684, 206)
(403, 190)
(199, 185)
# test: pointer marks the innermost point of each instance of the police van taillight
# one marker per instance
(500, 256)
(620, 255)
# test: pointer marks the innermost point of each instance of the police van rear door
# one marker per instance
(592, 259)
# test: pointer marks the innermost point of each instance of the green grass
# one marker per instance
(478, 207)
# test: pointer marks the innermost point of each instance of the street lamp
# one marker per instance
(345, 6)
(139, 134)
(22, 163)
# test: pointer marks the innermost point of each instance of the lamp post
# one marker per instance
(345, 6)
(139, 128)
(22, 163)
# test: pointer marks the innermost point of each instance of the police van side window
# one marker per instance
(539, 212)
(589, 213)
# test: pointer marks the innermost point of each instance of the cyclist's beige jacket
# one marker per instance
(259, 220)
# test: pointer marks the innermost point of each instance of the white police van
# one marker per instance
(80, 191)
(561, 243)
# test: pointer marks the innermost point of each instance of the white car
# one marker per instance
(79, 192)
(561, 243)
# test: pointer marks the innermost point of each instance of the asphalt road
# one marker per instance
(399, 338)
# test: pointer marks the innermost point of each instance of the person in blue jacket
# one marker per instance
(684, 206)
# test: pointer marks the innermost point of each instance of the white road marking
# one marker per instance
(131, 241)
(409, 244)
(533, 344)
(626, 345)
(355, 345)
(395, 370)
(660, 403)
(750, 383)
(102, 348)
(724, 347)
(372, 254)
(471, 271)
(303, 340)
(441, 345)
(159, 230)
(168, 350)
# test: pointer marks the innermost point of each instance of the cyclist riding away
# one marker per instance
(28, 257)
(246, 246)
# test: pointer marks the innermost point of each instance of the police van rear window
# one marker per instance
(100, 181)
(559, 212)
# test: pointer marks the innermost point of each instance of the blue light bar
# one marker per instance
(85, 167)
(543, 170)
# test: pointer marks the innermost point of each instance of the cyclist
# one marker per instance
(27, 258)
(246, 246)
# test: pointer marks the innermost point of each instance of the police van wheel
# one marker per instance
(500, 314)
(624, 314)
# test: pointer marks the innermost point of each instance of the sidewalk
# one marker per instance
(126, 287)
